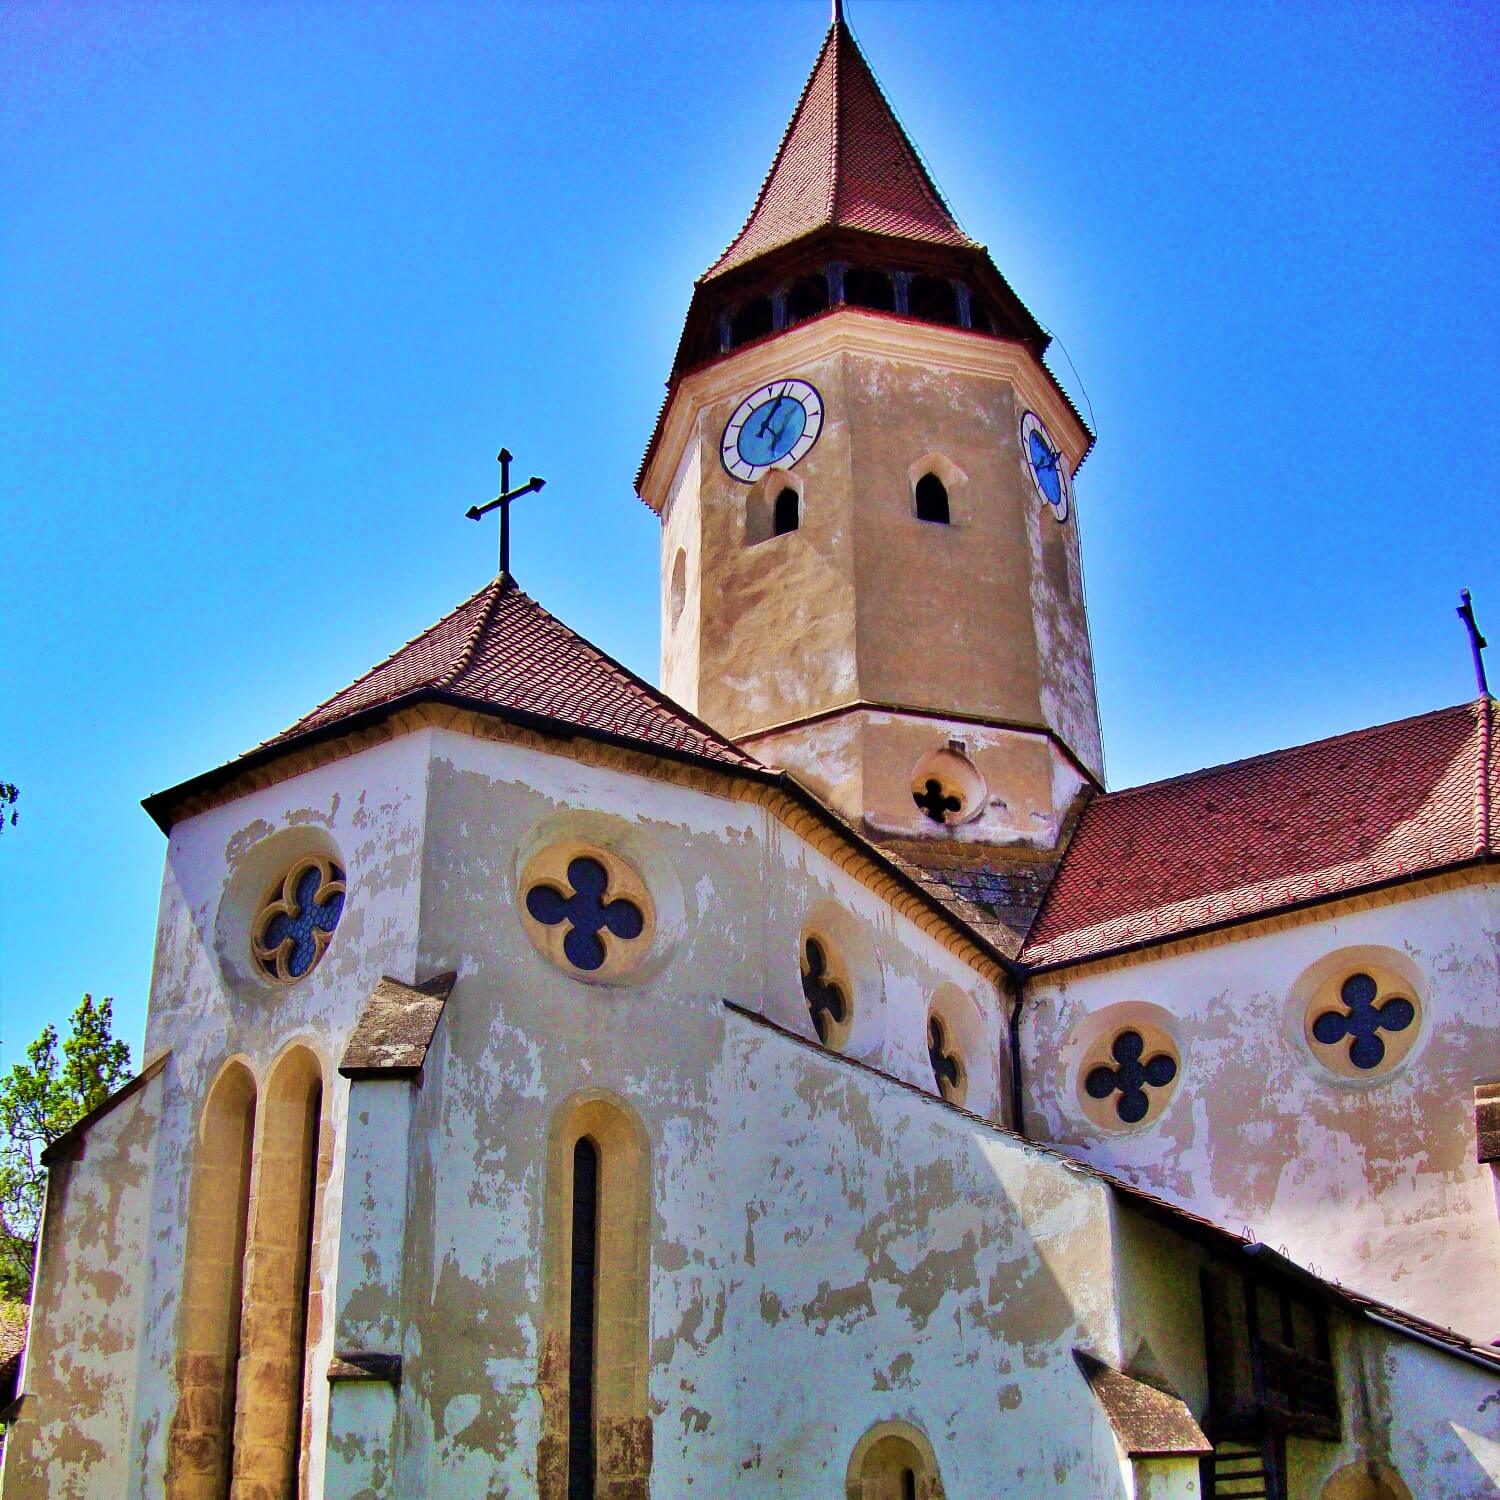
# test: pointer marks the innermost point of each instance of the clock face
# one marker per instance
(1046, 465)
(775, 425)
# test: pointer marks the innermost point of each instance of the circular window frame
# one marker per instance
(549, 866)
(281, 900)
(1092, 1046)
(1317, 989)
(957, 776)
(837, 971)
(257, 871)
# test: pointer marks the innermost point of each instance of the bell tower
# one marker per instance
(863, 470)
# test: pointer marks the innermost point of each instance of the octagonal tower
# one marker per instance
(870, 563)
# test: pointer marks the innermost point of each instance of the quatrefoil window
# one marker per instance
(296, 921)
(827, 995)
(1126, 1083)
(1364, 1022)
(936, 801)
(584, 914)
(1360, 1023)
(947, 1065)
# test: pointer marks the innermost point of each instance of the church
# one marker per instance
(805, 1078)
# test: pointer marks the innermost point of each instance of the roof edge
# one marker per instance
(70, 1142)
(160, 805)
(1244, 919)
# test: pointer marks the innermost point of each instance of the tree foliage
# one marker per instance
(10, 794)
(40, 1100)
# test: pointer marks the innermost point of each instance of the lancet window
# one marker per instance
(785, 518)
(596, 1424)
(932, 499)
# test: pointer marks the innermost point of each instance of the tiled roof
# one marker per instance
(997, 892)
(844, 162)
(502, 650)
(1275, 831)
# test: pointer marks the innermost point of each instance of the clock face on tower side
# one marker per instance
(1046, 465)
(775, 425)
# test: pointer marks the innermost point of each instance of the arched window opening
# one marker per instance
(934, 299)
(582, 1312)
(200, 1445)
(280, 1305)
(867, 286)
(594, 1361)
(807, 297)
(786, 517)
(893, 1461)
(752, 321)
(932, 499)
(979, 317)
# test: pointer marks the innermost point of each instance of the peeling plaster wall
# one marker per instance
(716, 1095)
(207, 1009)
(1375, 1186)
(73, 1439)
(827, 1250)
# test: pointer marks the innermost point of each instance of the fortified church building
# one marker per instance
(806, 1080)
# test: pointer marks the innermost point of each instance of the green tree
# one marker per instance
(10, 794)
(40, 1100)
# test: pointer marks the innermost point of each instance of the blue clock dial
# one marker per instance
(1047, 465)
(771, 430)
(1044, 466)
(773, 427)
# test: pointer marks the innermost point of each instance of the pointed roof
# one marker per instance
(845, 162)
(501, 650)
(500, 653)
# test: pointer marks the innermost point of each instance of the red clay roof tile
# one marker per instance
(844, 162)
(1248, 838)
(502, 650)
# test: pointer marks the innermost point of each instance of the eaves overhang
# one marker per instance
(164, 807)
(863, 331)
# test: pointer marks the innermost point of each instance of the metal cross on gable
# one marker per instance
(503, 500)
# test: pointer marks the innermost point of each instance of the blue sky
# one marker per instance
(279, 279)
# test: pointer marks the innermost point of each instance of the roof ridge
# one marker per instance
(1482, 792)
(780, 152)
(1120, 793)
(384, 661)
(476, 631)
(835, 136)
(934, 193)
(659, 698)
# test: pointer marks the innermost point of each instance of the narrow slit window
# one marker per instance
(785, 518)
(582, 1315)
(908, 1485)
(932, 499)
